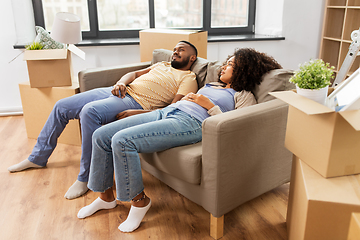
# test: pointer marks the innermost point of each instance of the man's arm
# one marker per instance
(120, 87)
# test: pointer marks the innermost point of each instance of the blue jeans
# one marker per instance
(116, 147)
(94, 108)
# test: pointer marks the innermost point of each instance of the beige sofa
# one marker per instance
(241, 156)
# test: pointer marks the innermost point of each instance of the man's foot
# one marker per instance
(23, 165)
(76, 190)
(95, 206)
(134, 218)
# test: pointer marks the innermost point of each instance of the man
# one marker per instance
(138, 91)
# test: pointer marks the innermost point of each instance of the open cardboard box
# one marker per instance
(354, 229)
(326, 140)
(151, 39)
(51, 67)
(320, 208)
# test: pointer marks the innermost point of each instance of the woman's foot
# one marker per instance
(136, 215)
(95, 206)
(76, 190)
(23, 165)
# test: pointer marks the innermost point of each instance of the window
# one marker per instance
(101, 19)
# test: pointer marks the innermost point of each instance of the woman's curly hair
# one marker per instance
(250, 66)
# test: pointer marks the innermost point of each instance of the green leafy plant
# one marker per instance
(314, 74)
(34, 46)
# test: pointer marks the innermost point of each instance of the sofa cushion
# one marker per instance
(275, 80)
(44, 38)
(200, 69)
(181, 162)
(213, 69)
(160, 55)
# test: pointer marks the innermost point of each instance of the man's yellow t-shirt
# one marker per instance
(158, 87)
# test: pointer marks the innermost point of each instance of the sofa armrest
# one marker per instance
(106, 76)
(244, 154)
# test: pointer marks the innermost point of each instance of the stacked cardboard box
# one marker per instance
(50, 79)
(320, 208)
(51, 67)
(354, 229)
(325, 181)
(37, 104)
(151, 39)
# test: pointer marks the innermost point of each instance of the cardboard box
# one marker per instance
(354, 229)
(49, 68)
(38, 103)
(326, 140)
(320, 208)
(151, 39)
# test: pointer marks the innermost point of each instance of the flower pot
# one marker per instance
(317, 95)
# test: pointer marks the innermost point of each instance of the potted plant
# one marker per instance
(313, 79)
(34, 46)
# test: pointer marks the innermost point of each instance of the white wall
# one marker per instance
(300, 22)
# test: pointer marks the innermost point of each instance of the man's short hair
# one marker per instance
(191, 45)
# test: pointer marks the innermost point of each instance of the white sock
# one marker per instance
(95, 206)
(134, 218)
(22, 166)
(76, 190)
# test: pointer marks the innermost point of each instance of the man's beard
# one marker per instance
(178, 65)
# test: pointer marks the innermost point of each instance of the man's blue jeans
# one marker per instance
(116, 147)
(94, 108)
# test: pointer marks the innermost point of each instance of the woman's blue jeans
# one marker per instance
(94, 108)
(116, 147)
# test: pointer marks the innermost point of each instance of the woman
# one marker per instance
(116, 145)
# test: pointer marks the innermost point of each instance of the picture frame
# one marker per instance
(346, 95)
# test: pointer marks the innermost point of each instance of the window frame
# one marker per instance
(94, 32)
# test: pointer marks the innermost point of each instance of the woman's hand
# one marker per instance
(199, 99)
(130, 112)
(119, 90)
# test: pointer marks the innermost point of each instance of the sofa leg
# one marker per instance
(216, 226)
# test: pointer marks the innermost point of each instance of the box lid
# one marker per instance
(311, 107)
(49, 54)
(302, 103)
(343, 189)
(45, 54)
(352, 117)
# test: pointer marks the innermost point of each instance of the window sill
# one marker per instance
(136, 41)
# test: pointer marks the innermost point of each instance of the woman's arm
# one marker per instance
(199, 99)
(244, 99)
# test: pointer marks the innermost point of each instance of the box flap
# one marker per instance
(77, 51)
(302, 103)
(352, 117)
(47, 54)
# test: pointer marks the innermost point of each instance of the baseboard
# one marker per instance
(14, 111)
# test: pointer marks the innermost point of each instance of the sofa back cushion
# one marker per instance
(275, 80)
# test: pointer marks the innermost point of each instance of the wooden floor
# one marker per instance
(32, 205)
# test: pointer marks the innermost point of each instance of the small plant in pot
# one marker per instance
(34, 46)
(313, 79)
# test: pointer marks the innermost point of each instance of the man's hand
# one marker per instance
(119, 90)
(130, 112)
